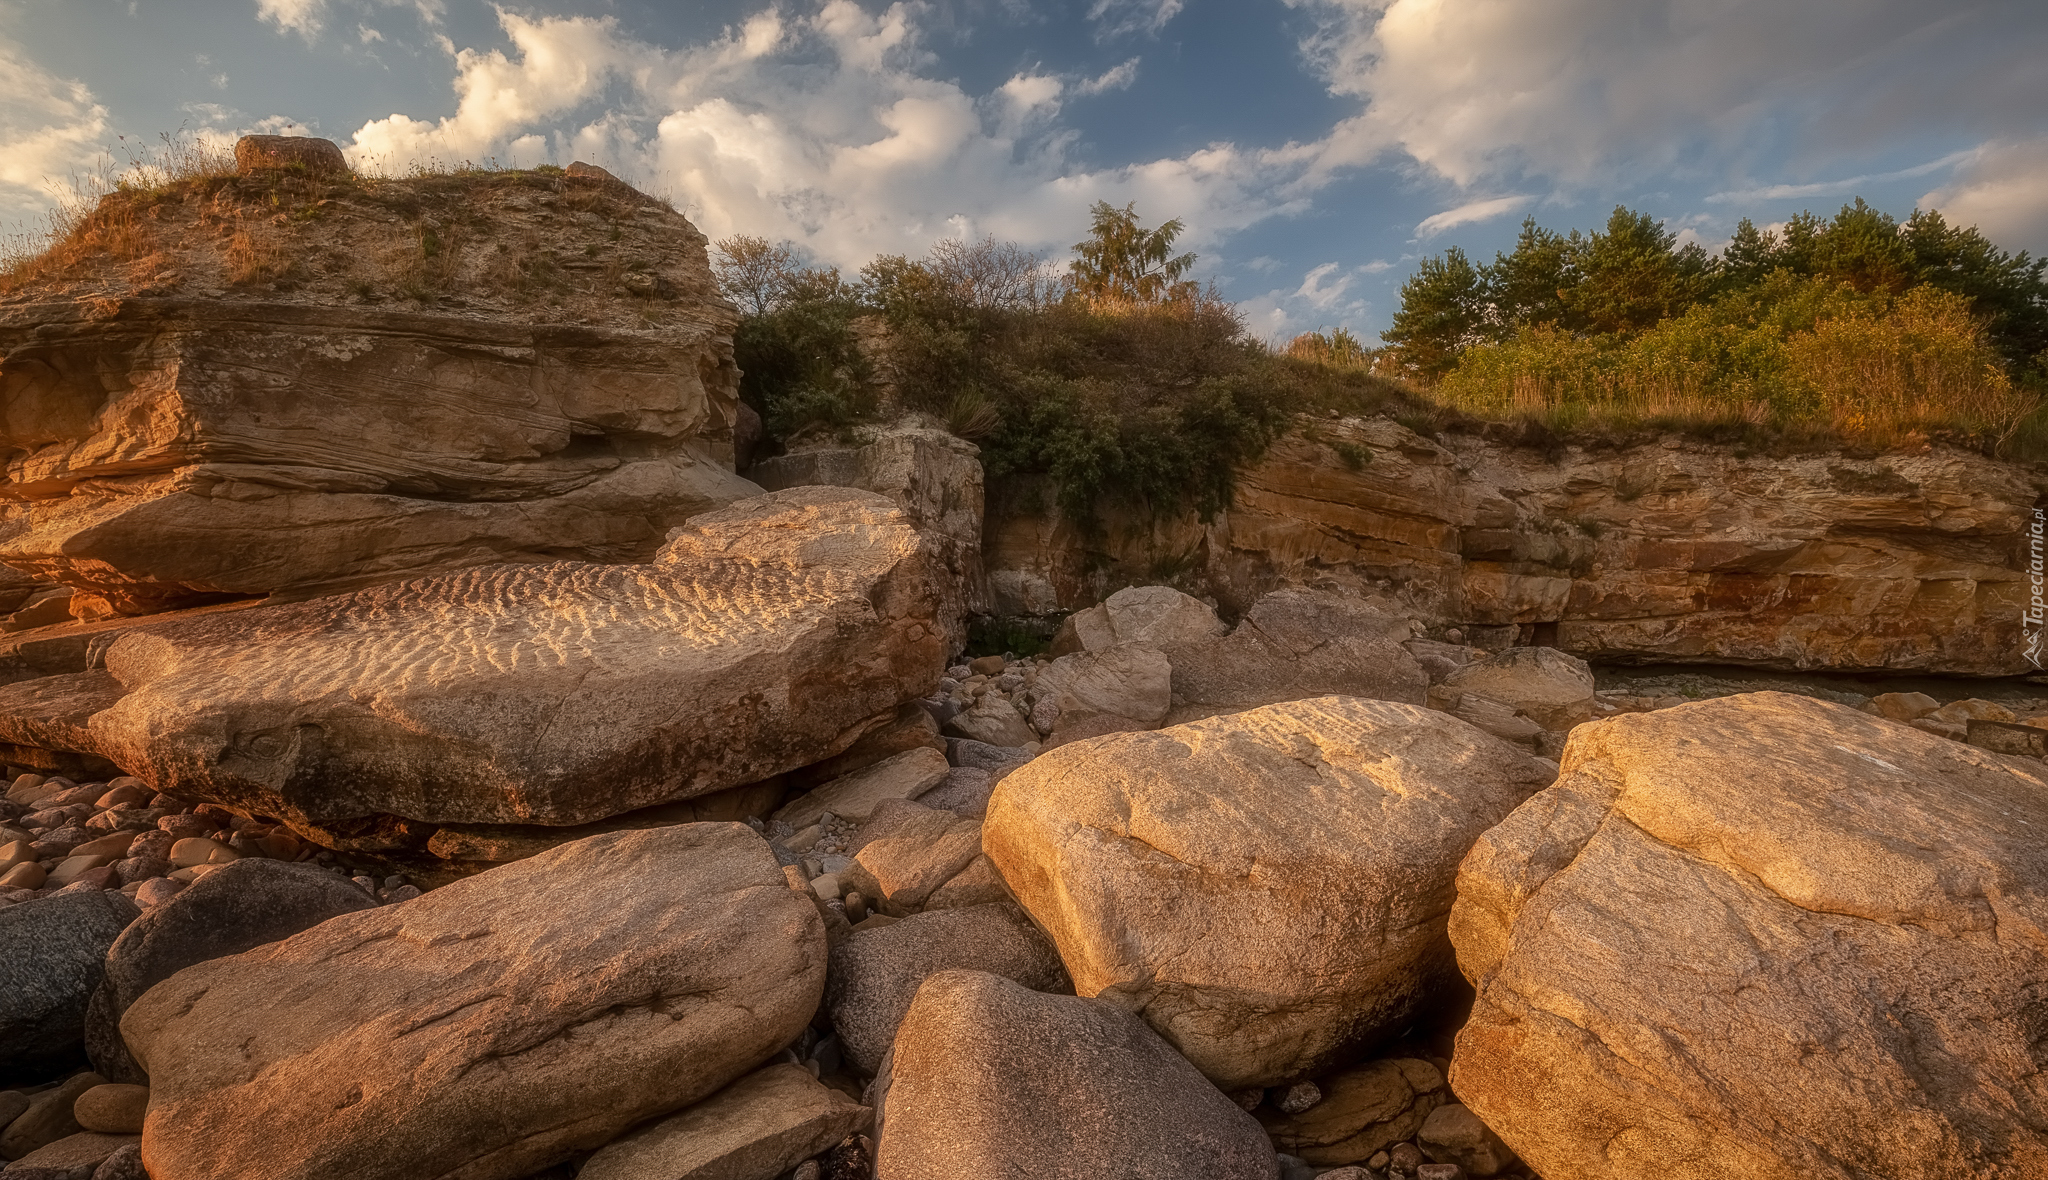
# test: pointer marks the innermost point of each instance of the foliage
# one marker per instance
(1123, 262)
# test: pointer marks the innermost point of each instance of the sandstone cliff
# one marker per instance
(285, 380)
(1661, 551)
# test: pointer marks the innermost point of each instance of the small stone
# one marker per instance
(135, 793)
(1406, 1157)
(956, 673)
(112, 1108)
(61, 842)
(15, 852)
(402, 893)
(114, 846)
(1293, 1167)
(136, 869)
(124, 1164)
(152, 844)
(197, 850)
(986, 666)
(72, 868)
(826, 886)
(1354, 1172)
(158, 891)
(394, 881)
(48, 1117)
(808, 1170)
(1298, 1097)
(26, 875)
(1439, 1172)
(856, 907)
(366, 884)
(1379, 1161)
(180, 827)
(1454, 1135)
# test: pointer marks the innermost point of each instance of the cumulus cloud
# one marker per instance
(2001, 189)
(1469, 213)
(1603, 93)
(308, 17)
(51, 129)
(826, 128)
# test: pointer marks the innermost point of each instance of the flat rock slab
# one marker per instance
(1270, 888)
(765, 637)
(487, 1029)
(760, 1126)
(989, 1078)
(1763, 937)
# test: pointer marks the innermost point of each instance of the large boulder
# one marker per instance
(1155, 616)
(757, 1128)
(1763, 937)
(489, 1028)
(875, 974)
(1269, 889)
(234, 908)
(1117, 689)
(1293, 645)
(232, 436)
(1550, 688)
(765, 637)
(55, 951)
(989, 1078)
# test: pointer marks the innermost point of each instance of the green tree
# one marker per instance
(1528, 286)
(1862, 247)
(1633, 274)
(1123, 262)
(1443, 308)
(2009, 291)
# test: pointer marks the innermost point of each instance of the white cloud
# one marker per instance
(1469, 213)
(308, 17)
(828, 129)
(1604, 93)
(51, 129)
(1317, 290)
(300, 16)
(1120, 18)
(1843, 187)
(2003, 190)
(1118, 77)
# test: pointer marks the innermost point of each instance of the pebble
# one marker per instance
(1381, 1159)
(115, 846)
(826, 886)
(856, 907)
(17, 852)
(365, 884)
(198, 850)
(181, 827)
(71, 868)
(1439, 1172)
(1298, 1097)
(808, 1170)
(27, 875)
(1406, 1157)
(402, 893)
(113, 1109)
(157, 892)
(134, 793)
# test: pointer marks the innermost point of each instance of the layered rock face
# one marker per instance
(1664, 551)
(247, 414)
(1762, 938)
(930, 474)
(764, 637)
(1268, 889)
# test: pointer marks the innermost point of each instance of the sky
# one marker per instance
(1315, 149)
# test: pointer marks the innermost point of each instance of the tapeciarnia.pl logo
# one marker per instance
(2036, 621)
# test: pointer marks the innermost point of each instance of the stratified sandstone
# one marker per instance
(1268, 889)
(765, 637)
(1763, 938)
(489, 1028)
(1661, 551)
(312, 381)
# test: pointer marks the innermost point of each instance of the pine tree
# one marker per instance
(1123, 262)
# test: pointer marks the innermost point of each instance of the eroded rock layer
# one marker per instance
(765, 637)
(1661, 551)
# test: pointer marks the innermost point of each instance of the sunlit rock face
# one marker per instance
(401, 396)
(764, 637)
(1757, 938)
(1660, 551)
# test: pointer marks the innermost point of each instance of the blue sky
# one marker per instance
(1315, 148)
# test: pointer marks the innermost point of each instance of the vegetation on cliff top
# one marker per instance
(1860, 330)
(1119, 379)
